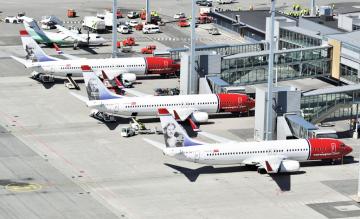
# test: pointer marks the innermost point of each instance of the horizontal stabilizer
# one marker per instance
(26, 63)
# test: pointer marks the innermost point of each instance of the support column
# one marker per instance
(114, 31)
(148, 13)
(269, 113)
(192, 49)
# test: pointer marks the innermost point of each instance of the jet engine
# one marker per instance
(199, 117)
(128, 77)
(289, 166)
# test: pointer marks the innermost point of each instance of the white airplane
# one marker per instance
(196, 107)
(128, 68)
(64, 37)
(269, 156)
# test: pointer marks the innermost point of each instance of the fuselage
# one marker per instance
(64, 39)
(237, 152)
(145, 106)
(113, 67)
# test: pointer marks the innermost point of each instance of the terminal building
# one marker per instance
(321, 47)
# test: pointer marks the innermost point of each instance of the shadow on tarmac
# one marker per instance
(193, 174)
(282, 180)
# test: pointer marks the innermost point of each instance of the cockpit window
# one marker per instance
(342, 145)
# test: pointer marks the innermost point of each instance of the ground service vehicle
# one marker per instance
(139, 27)
(130, 41)
(179, 15)
(183, 23)
(12, 19)
(204, 19)
(123, 29)
(127, 132)
(214, 31)
(133, 15)
(148, 49)
(94, 24)
(224, 1)
(133, 23)
(205, 3)
(151, 28)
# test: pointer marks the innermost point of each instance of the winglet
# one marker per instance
(268, 167)
(57, 49)
(177, 117)
(193, 125)
(118, 83)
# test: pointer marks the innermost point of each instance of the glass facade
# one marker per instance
(338, 105)
(292, 40)
(289, 64)
(224, 50)
(356, 27)
(349, 73)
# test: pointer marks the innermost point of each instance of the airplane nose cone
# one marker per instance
(348, 150)
(251, 103)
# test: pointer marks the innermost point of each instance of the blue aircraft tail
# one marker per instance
(96, 90)
(174, 134)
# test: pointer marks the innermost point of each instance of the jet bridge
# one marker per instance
(300, 128)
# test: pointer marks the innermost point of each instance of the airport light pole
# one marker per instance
(192, 48)
(312, 8)
(148, 13)
(114, 31)
(269, 113)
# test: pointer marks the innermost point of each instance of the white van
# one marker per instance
(224, 1)
(123, 29)
(151, 28)
(94, 24)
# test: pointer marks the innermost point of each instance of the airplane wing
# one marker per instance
(68, 56)
(71, 34)
(270, 163)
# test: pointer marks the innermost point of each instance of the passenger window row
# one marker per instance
(255, 152)
(105, 66)
(168, 104)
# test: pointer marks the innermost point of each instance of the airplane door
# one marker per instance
(116, 109)
(197, 156)
(333, 148)
(166, 63)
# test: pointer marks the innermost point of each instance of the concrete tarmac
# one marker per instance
(57, 162)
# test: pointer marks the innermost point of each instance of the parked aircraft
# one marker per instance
(64, 37)
(271, 156)
(196, 107)
(128, 68)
